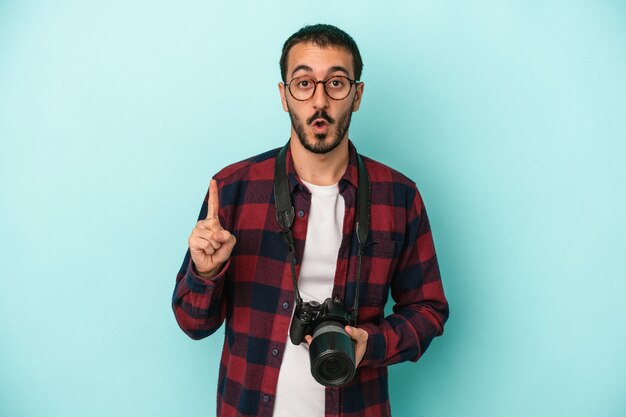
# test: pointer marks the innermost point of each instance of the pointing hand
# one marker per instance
(209, 244)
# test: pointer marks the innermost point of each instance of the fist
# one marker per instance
(209, 244)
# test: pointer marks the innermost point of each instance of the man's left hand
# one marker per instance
(360, 340)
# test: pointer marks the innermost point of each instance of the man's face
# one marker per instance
(320, 123)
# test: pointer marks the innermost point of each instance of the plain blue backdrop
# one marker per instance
(509, 115)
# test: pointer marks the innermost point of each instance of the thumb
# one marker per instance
(356, 334)
(224, 236)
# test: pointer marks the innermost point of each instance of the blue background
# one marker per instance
(510, 116)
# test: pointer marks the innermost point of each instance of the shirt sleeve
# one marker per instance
(420, 308)
(199, 303)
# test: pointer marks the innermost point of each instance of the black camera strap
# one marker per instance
(285, 214)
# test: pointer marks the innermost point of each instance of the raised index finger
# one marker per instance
(214, 201)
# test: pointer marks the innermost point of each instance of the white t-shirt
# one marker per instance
(298, 393)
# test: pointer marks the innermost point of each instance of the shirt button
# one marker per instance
(300, 213)
(266, 398)
(285, 305)
(275, 352)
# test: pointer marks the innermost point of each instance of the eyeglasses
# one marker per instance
(337, 87)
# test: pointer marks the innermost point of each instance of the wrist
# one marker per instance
(211, 273)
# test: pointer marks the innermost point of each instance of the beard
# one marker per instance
(322, 143)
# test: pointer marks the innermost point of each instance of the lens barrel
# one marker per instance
(332, 355)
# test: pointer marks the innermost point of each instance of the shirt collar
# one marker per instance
(351, 175)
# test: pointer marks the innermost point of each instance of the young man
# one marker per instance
(238, 266)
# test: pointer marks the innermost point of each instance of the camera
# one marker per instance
(332, 350)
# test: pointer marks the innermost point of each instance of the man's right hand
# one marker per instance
(209, 244)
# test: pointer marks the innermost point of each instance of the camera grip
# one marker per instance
(297, 330)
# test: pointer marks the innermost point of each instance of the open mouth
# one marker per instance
(320, 125)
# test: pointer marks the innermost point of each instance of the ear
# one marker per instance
(283, 98)
(358, 96)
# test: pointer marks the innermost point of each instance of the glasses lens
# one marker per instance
(338, 87)
(302, 88)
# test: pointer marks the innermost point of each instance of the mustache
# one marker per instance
(320, 115)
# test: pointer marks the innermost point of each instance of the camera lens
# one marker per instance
(333, 368)
(332, 355)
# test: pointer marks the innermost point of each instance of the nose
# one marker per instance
(320, 98)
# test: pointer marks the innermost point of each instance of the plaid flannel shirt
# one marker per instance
(254, 291)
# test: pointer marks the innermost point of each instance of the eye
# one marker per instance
(304, 83)
(336, 83)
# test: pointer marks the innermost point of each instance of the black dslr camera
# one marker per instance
(332, 349)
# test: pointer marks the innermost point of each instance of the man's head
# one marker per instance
(314, 55)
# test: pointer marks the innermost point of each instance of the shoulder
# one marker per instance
(256, 168)
(392, 183)
(379, 172)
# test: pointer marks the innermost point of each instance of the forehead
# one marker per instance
(318, 59)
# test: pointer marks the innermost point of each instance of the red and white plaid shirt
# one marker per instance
(254, 292)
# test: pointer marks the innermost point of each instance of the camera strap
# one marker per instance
(285, 214)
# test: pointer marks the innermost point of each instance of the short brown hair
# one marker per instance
(323, 36)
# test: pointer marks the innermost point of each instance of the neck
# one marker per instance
(320, 169)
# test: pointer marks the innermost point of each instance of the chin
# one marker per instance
(321, 144)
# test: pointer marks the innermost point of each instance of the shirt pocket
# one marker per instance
(378, 271)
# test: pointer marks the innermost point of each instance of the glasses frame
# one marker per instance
(315, 83)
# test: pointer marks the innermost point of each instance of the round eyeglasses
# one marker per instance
(303, 88)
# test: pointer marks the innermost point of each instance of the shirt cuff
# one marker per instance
(199, 284)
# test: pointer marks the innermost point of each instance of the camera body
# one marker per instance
(310, 314)
(332, 349)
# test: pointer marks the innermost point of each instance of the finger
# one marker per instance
(350, 331)
(215, 245)
(203, 235)
(308, 339)
(209, 224)
(214, 201)
(223, 253)
(359, 335)
(198, 244)
(209, 235)
(223, 236)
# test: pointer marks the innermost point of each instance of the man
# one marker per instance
(238, 266)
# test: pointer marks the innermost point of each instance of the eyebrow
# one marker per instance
(331, 70)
